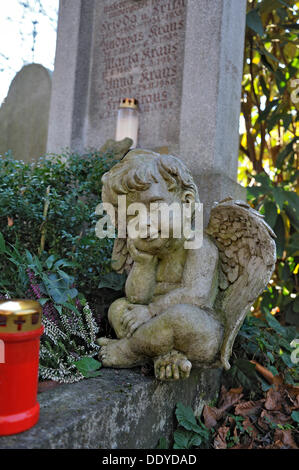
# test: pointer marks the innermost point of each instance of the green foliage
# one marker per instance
(233, 437)
(70, 328)
(48, 208)
(280, 207)
(269, 98)
(268, 160)
(51, 253)
(269, 343)
(162, 444)
(88, 367)
(295, 416)
(191, 432)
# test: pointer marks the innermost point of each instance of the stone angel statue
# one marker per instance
(183, 307)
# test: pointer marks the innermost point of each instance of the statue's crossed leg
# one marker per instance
(181, 335)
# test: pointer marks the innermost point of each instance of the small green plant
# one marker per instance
(191, 431)
(279, 204)
(88, 367)
(162, 444)
(268, 342)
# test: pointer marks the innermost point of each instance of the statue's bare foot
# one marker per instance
(172, 366)
(117, 353)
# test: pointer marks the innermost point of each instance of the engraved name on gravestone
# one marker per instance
(139, 53)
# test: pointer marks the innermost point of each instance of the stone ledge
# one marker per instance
(122, 409)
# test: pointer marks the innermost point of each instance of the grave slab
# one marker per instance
(122, 409)
(24, 114)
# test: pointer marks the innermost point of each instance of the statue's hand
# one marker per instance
(135, 316)
(140, 256)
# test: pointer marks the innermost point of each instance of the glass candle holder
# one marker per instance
(127, 120)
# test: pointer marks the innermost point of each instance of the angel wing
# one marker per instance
(121, 260)
(247, 259)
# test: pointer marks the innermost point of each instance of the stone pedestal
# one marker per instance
(119, 410)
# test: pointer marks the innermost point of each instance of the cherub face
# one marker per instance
(152, 198)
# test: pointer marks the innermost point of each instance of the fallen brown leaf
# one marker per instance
(274, 399)
(210, 416)
(249, 408)
(271, 379)
(275, 417)
(226, 400)
(250, 428)
(285, 436)
(276, 445)
(229, 398)
(293, 390)
(220, 439)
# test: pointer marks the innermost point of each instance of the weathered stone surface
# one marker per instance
(213, 65)
(213, 187)
(121, 409)
(24, 115)
(182, 59)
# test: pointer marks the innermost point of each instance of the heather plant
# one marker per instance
(66, 342)
(70, 326)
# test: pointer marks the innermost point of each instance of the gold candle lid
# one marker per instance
(128, 103)
(19, 316)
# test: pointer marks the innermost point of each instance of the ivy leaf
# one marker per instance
(254, 22)
(88, 367)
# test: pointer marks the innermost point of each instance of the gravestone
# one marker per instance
(182, 59)
(24, 115)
